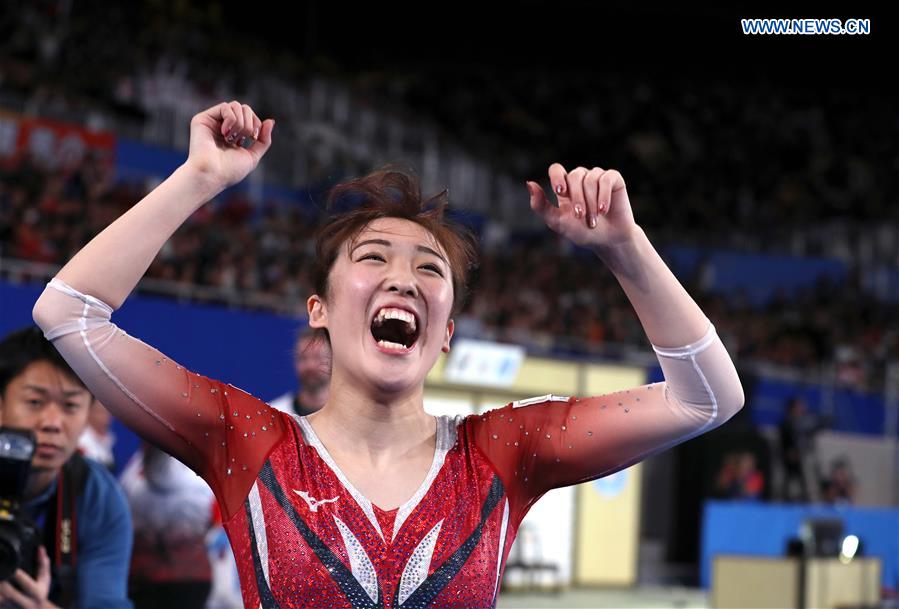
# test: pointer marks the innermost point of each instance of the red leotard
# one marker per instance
(304, 537)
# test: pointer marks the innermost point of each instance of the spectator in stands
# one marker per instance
(97, 440)
(751, 480)
(840, 487)
(312, 363)
(725, 480)
(739, 478)
(797, 433)
(173, 510)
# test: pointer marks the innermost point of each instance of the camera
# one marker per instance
(19, 536)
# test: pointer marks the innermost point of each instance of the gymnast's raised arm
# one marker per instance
(547, 443)
(113, 262)
(151, 394)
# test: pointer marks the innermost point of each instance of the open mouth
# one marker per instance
(395, 329)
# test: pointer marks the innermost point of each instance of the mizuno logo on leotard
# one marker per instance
(312, 502)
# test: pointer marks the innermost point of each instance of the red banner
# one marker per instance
(51, 143)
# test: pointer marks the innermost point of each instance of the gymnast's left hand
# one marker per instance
(593, 208)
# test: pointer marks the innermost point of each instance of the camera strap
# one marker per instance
(61, 530)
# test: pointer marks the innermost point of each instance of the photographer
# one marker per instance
(79, 510)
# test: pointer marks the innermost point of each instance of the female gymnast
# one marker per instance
(371, 502)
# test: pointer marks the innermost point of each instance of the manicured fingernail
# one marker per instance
(577, 211)
(559, 189)
(602, 207)
(256, 133)
(592, 221)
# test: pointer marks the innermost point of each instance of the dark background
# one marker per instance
(666, 40)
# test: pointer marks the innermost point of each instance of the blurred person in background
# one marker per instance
(797, 433)
(840, 486)
(371, 501)
(750, 481)
(97, 440)
(173, 511)
(81, 514)
(312, 363)
(739, 477)
(726, 476)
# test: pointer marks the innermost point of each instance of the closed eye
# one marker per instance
(433, 267)
(366, 256)
(430, 267)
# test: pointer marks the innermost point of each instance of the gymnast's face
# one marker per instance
(388, 307)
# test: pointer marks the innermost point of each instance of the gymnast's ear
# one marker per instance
(450, 328)
(315, 308)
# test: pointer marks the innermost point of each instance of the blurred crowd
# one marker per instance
(703, 156)
(531, 289)
(710, 159)
(747, 165)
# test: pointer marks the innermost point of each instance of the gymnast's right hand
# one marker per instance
(227, 141)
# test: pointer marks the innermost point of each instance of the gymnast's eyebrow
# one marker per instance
(421, 248)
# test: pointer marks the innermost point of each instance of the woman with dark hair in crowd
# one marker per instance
(371, 502)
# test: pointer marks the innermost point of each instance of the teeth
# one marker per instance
(390, 345)
(391, 313)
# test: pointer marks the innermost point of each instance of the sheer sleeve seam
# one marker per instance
(81, 327)
(690, 353)
(69, 290)
(712, 400)
(690, 350)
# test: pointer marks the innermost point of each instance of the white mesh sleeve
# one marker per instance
(202, 422)
(552, 442)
